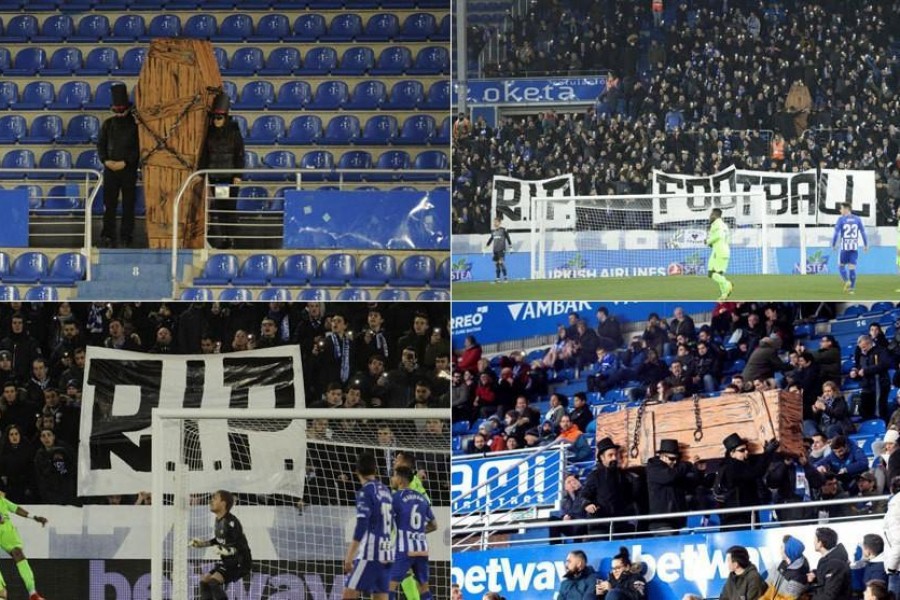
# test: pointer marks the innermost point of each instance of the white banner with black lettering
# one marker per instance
(122, 388)
(811, 197)
(511, 200)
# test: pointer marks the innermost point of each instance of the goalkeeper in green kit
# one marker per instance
(719, 239)
(12, 543)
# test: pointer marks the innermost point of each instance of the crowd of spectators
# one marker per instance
(667, 360)
(354, 355)
(782, 86)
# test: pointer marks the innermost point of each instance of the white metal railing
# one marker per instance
(342, 178)
(89, 178)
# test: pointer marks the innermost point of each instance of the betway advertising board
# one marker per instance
(678, 565)
(493, 322)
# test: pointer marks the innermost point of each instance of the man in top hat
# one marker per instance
(607, 490)
(223, 149)
(119, 151)
(669, 481)
(739, 476)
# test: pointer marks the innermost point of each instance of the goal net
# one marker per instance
(292, 475)
(645, 235)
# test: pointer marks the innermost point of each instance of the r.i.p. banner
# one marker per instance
(122, 389)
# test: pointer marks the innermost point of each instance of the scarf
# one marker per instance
(341, 347)
(381, 343)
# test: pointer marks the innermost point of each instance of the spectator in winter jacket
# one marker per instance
(764, 361)
(831, 578)
(847, 460)
(609, 330)
(829, 413)
(870, 369)
(788, 580)
(872, 561)
(581, 413)
(578, 582)
(708, 368)
(877, 590)
(625, 580)
(744, 581)
(891, 527)
(669, 481)
(471, 354)
(571, 508)
(867, 486)
(828, 357)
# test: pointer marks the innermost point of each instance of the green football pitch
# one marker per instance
(746, 287)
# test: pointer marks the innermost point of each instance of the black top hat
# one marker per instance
(221, 104)
(119, 96)
(732, 442)
(669, 447)
(605, 444)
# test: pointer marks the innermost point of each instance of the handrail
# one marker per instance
(440, 175)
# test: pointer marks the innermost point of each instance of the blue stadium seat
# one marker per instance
(336, 270)
(5, 60)
(164, 26)
(37, 95)
(417, 130)
(306, 129)
(28, 267)
(341, 130)
(356, 159)
(17, 159)
(100, 61)
(45, 129)
(35, 195)
(330, 95)
(296, 270)
(406, 94)
(56, 29)
(415, 271)
(252, 198)
(381, 27)
(201, 27)
(82, 129)
(353, 295)
(235, 295)
(370, 94)
(9, 94)
(396, 160)
(272, 28)
(221, 58)
(89, 159)
(256, 95)
(57, 160)
(376, 270)
(266, 130)
(417, 27)
(282, 61)
(72, 95)
(443, 32)
(245, 61)
(309, 27)
(356, 61)
(442, 280)
(220, 269)
(438, 98)
(257, 270)
(197, 295)
(278, 159)
(320, 60)
(129, 28)
(12, 128)
(393, 60)
(434, 296)
(431, 160)
(132, 61)
(292, 95)
(235, 28)
(442, 135)
(314, 295)
(63, 61)
(379, 130)
(251, 159)
(28, 61)
(102, 96)
(21, 28)
(92, 28)
(67, 268)
(9, 293)
(392, 295)
(431, 60)
(852, 311)
(230, 89)
(274, 295)
(61, 200)
(344, 28)
(41, 293)
(874, 427)
(317, 165)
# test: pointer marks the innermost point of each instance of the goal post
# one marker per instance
(646, 234)
(291, 471)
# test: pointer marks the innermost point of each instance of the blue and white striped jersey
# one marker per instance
(849, 229)
(374, 522)
(412, 513)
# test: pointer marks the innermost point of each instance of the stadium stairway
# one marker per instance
(120, 274)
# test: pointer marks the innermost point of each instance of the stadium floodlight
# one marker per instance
(646, 234)
(299, 522)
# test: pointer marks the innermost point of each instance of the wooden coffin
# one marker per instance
(177, 85)
(755, 416)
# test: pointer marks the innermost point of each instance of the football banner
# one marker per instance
(122, 389)
(809, 197)
(511, 201)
